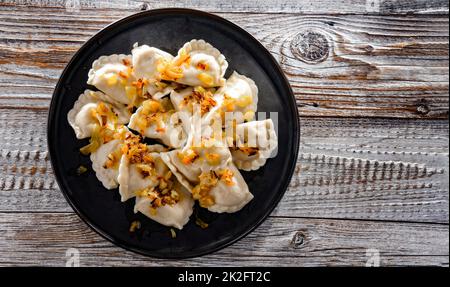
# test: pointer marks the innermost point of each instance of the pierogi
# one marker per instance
(158, 127)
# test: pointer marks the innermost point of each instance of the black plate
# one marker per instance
(101, 209)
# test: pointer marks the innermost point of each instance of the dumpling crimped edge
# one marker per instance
(255, 164)
(104, 60)
(202, 45)
(89, 96)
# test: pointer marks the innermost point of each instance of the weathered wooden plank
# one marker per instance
(348, 168)
(44, 238)
(374, 169)
(366, 167)
(373, 66)
(252, 6)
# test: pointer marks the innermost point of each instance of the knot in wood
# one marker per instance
(144, 6)
(298, 240)
(311, 47)
(422, 107)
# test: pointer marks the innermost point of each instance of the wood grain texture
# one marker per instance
(377, 66)
(371, 87)
(348, 168)
(43, 239)
(255, 6)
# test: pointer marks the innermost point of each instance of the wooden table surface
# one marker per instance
(371, 82)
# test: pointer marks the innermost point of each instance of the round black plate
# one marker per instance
(101, 209)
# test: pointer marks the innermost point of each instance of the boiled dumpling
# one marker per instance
(207, 154)
(114, 76)
(105, 163)
(197, 101)
(240, 98)
(139, 171)
(219, 190)
(255, 142)
(145, 176)
(184, 108)
(197, 64)
(146, 60)
(95, 108)
(188, 163)
(157, 120)
(145, 66)
(158, 90)
(199, 158)
(185, 172)
(174, 212)
(222, 190)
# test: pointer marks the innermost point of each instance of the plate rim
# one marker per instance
(158, 12)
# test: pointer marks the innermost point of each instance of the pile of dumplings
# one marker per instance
(182, 103)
